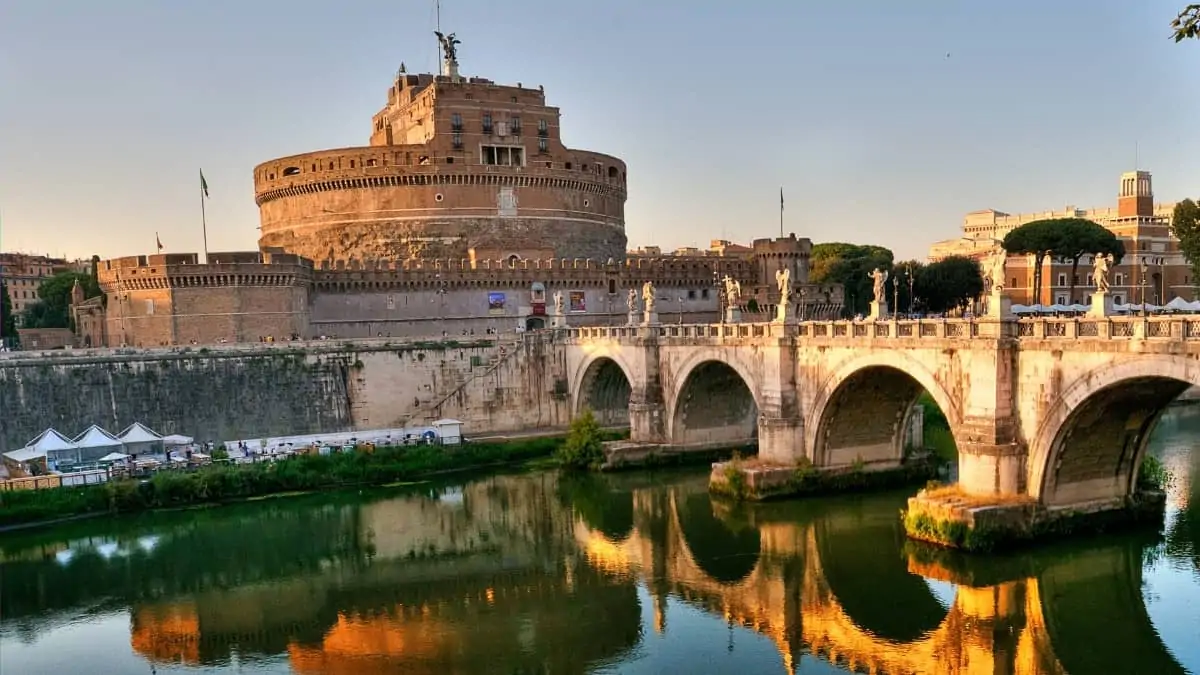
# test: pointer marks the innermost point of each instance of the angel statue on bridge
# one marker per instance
(1100, 271)
(997, 270)
(733, 290)
(880, 277)
(631, 301)
(648, 296)
(558, 303)
(783, 279)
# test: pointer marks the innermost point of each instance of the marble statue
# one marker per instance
(997, 270)
(648, 296)
(558, 302)
(1100, 271)
(880, 277)
(733, 291)
(631, 301)
(783, 278)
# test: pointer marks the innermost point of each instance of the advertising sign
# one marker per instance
(577, 303)
(495, 303)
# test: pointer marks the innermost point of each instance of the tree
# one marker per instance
(584, 446)
(53, 308)
(902, 273)
(1185, 225)
(8, 323)
(1078, 237)
(949, 284)
(1036, 239)
(849, 265)
(1187, 24)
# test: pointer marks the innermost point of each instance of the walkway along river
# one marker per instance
(635, 573)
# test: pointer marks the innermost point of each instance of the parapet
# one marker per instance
(179, 270)
(790, 245)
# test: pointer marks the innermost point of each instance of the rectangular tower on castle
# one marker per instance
(1137, 196)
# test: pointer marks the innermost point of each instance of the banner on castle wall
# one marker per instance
(495, 303)
(577, 301)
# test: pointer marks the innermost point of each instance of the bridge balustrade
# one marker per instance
(1124, 327)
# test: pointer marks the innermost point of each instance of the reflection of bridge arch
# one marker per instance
(716, 400)
(862, 407)
(1091, 441)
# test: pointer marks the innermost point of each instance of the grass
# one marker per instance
(219, 484)
(955, 494)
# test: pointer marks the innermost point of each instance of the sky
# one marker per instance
(883, 122)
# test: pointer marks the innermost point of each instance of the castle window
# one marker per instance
(314, 167)
(502, 155)
(543, 128)
(612, 286)
(449, 160)
(703, 293)
(370, 162)
(351, 164)
(271, 177)
(515, 125)
(586, 203)
(569, 167)
(438, 197)
(543, 145)
(456, 122)
(423, 160)
(331, 166)
(456, 140)
(487, 123)
(291, 171)
(612, 172)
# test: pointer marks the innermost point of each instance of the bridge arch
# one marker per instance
(842, 428)
(603, 383)
(715, 399)
(1090, 443)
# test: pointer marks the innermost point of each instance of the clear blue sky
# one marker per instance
(108, 109)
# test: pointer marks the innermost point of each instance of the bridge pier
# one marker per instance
(781, 440)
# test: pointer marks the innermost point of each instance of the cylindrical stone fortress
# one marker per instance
(456, 168)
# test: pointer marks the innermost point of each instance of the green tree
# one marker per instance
(1077, 237)
(52, 310)
(1185, 225)
(1039, 239)
(8, 322)
(949, 284)
(584, 446)
(1187, 24)
(849, 265)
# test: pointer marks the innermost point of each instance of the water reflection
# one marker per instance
(637, 573)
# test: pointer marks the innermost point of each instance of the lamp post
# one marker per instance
(895, 297)
(680, 310)
(908, 272)
(720, 296)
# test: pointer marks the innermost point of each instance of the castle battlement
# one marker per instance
(183, 270)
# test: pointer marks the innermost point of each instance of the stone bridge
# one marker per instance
(1055, 410)
(823, 578)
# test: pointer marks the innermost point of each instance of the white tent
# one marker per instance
(55, 446)
(114, 457)
(140, 440)
(95, 443)
(138, 433)
(176, 440)
(1178, 304)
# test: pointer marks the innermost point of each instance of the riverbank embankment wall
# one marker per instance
(269, 389)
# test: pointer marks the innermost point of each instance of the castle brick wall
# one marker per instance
(230, 392)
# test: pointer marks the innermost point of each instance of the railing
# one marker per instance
(1110, 328)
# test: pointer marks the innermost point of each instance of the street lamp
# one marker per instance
(720, 296)
(908, 271)
(681, 310)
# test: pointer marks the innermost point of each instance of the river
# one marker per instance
(634, 573)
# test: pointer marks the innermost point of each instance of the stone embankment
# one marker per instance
(267, 389)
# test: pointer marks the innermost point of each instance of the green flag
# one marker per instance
(203, 183)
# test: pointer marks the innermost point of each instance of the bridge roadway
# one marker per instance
(1057, 411)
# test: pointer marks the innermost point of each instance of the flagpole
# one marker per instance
(203, 218)
(781, 213)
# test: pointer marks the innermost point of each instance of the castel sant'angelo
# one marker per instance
(466, 213)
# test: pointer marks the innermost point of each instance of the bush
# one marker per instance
(584, 447)
(1154, 475)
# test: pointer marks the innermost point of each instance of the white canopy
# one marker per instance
(25, 454)
(50, 441)
(138, 433)
(1178, 304)
(114, 457)
(176, 440)
(95, 437)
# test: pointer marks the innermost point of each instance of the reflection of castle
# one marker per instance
(464, 213)
(492, 579)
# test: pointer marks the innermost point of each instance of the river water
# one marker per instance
(633, 573)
